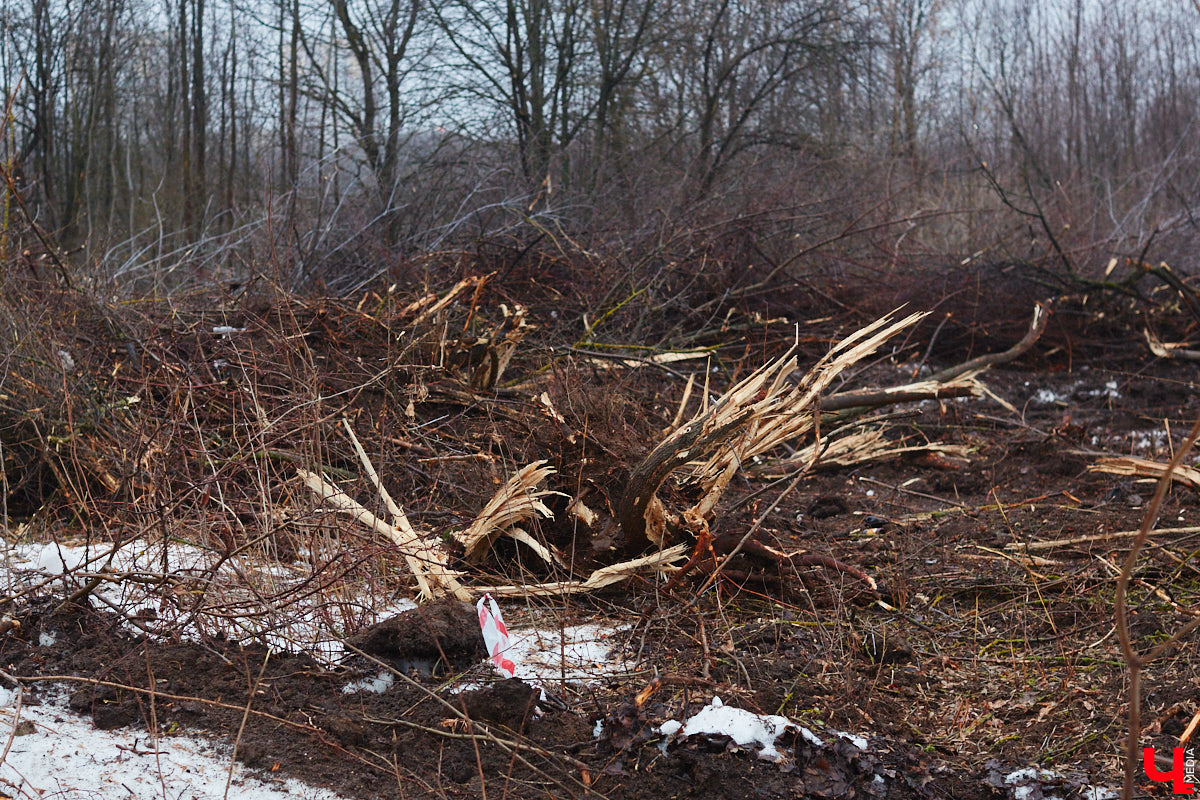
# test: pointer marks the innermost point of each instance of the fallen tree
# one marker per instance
(769, 409)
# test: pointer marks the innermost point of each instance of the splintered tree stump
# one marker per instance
(691, 442)
(638, 508)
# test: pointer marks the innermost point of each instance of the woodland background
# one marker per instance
(163, 143)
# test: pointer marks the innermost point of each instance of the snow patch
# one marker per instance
(1078, 391)
(377, 684)
(743, 727)
(858, 741)
(574, 653)
(550, 653)
(1148, 442)
(1030, 783)
(299, 627)
(62, 755)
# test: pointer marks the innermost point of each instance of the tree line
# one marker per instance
(153, 135)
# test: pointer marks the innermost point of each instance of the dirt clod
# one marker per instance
(440, 635)
(509, 702)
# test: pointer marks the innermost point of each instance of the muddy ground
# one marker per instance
(994, 650)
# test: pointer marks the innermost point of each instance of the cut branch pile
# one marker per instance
(768, 409)
(217, 408)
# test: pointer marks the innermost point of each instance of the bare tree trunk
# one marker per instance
(198, 197)
(44, 128)
(186, 117)
(291, 158)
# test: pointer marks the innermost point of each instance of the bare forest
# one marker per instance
(826, 362)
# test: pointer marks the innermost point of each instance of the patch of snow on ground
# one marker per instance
(301, 626)
(1078, 390)
(1148, 442)
(742, 726)
(377, 684)
(545, 656)
(1028, 774)
(1047, 396)
(576, 653)
(1029, 783)
(64, 756)
(857, 741)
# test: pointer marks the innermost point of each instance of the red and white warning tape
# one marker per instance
(495, 635)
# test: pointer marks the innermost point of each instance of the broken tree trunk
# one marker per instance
(766, 410)
(755, 416)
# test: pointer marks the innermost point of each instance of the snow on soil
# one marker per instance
(62, 754)
(542, 653)
(1034, 783)
(549, 654)
(298, 627)
(744, 727)
(55, 753)
(576, 653)
(747, 729)
(1079, 390)
(378, 683)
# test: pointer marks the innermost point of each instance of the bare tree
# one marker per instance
(137, 123)
(733, 62)
(378, 37)
(526, 59)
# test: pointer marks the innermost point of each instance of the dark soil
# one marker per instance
(442, 635)
(986, 658)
